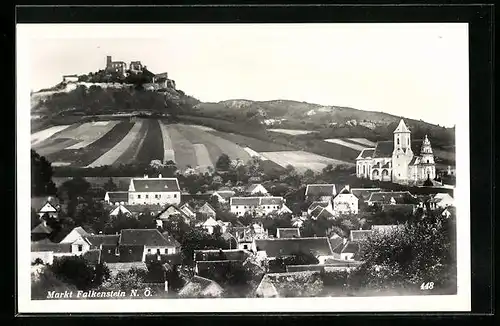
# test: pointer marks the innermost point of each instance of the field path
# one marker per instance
(114, 153)
(346, 144)
(168, 149)
(202, 157)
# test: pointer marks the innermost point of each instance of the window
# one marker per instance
(138, 196)
(175, 195)
(149, 251)
(165, 251)
(130, 251)
(427, 161)
(236, 207)
(109, 251)
(398, 141)
(147, 196)
(117, 251)
(80, 247)
(158, 251)
(244, 207)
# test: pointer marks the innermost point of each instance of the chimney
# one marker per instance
(166, 286)
(159, 176)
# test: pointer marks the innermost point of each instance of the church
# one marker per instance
(401, 160)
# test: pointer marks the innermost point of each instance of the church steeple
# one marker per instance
(426, 147)
(401, 127)
(402, 139)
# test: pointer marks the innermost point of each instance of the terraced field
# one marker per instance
(302, 161)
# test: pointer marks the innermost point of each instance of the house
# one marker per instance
(47, 250)
(135, 244)
(345, 202)
(207, 210)
(223, 196)
(200, 287)
(328, 205)
(401, 160)
(224, 226)
(297, 221)
(320, 192)
(273, 248)
(107, 244)
(441, 200)
(46, 205)
(188, 210)
(160, 191)
(257, 206)
(321, 213)
(287, 233)
(77, 233)
(116, 197)
(256, 190)
(360, 235)
(120, 210)
(390, 197)
(170, 211)
(292, 284)
(135, 67)
(118, 67)
(41, 231)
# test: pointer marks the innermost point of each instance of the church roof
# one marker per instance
(402, 127)
(367, 152)
(385, 148)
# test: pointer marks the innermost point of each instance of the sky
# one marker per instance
(418, 71)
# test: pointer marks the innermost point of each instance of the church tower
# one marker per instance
(402, 153)
(427, 161)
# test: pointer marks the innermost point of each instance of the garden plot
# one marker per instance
(362, 141)
(346, 144)
(41, 135)
(293, 132)
(202, 157)
(168, 149)
(111, 156)
(56, 145)
(302, 161)
(96, 131)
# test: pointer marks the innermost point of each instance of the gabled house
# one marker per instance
(392, 197)
(207, 210)
(77, 233)
(200, 287)
(345, 202)
(136, 244)
(41, 231)
(257, 206)
(210, 224)
(272, 248)
(46, 205)
(161, 191)
(440, 201)
(120, 209)
(116, 197)
(256, 189)
(223, 196)
(170, 211)
(287, 233)
(188, 210)
(320, 192)
(328, 205)
(363, 194)
(321, 213)
(46, 250)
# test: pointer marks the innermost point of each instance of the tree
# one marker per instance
(35, 220)
(134, 278)
(423, 251)
(41, 176)
(76, 270)
(428, 182)
(223, 162)
(196, 239)
(45, 281)
(110, 185)
(120, 222)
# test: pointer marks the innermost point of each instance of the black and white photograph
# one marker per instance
(243, 167)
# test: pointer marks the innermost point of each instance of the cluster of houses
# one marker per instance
(249, 244)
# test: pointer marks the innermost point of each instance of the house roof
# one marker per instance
(271, 200)
(250, 201)
(103, 239)
(291, 284)
(54, 247)
(363, 193)
(206, 206)
(400, 208)
(320, 190)
(315, 212)
(197, 287)
(119, 209)
(316, 204)
(144, 237)
(351, 247)
(252, 187)
(360, 235)
(81, 231)
(42, 229)
(288, 233)
(366, 153)
(175, 208)
(386, 147)
(210, 222)
(337, 244)
(288, 246)
(224, 193)
(38, 202)
(118, 196)
(156, 184)
(401, 197)
(218, 255)
(141, 208)
(325, 213)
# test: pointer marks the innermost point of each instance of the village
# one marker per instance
(233, 240)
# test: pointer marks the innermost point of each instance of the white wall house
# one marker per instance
(159, 191)
(345, 202)
(77, 233)
(255, 189)
(210, 224)
(260, 206)
(120, 209)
